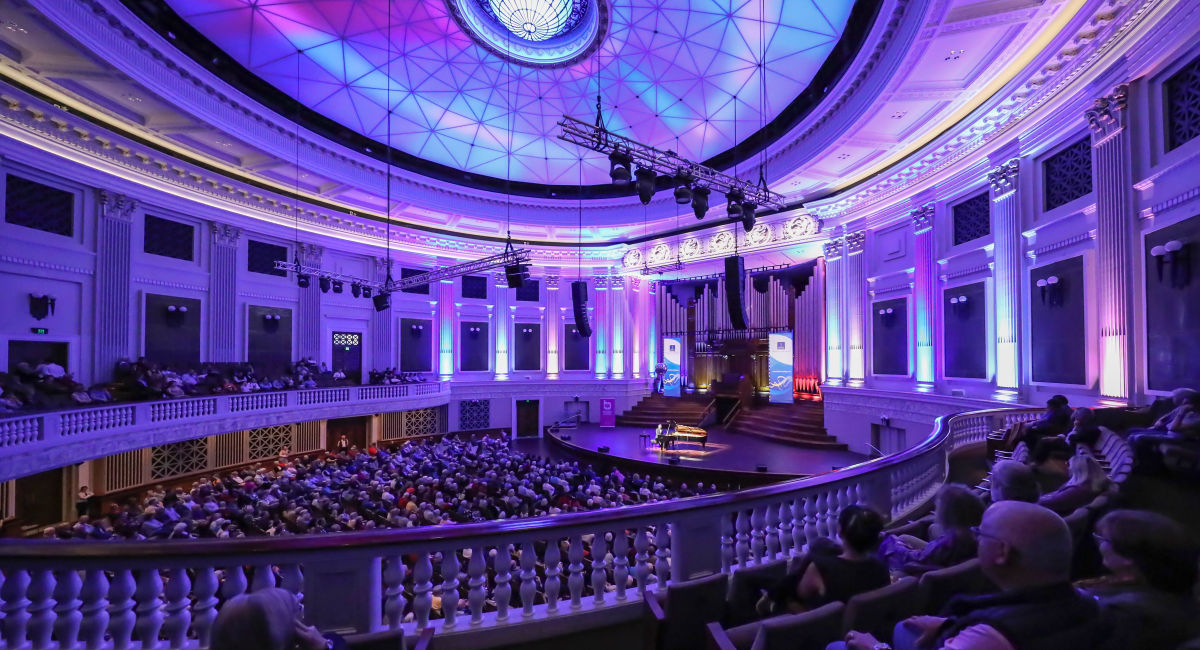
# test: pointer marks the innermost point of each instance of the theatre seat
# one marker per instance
(937, 587)
(389, 640)
(745, 586)
(878, 611)
(807, 631)
(677, 621)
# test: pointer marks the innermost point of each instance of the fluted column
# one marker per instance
(653, 327)
(600, 325)
(636, 336)
(1006, 229)
(618, 323)
(1112, 177)
(446, 329)
(924, 285)
(222, 293)
(553, 326)
(854, 296)
(383, 339)
(113, 277)
(835, 358)
(308, 310)
(502, 324)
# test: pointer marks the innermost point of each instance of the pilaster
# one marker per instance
(835, 356)
(600, 328)
(113, 279)
(308, 309)
(1006, 229)
(222, 293)
(553, 325)
(618, 324)
(503, 325)
(924, 293)
(383, 338)
(854, 297)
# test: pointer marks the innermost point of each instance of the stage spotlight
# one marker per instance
(355, 289)
(302, 280)
(382, 301)
(618, 170)
(748, 210)
(338, 286)
(325, 284)
(646, 184)
(366, 292)
(683, 195)
(733, 203)
(700, 201)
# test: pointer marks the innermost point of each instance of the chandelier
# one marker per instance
(536, 20)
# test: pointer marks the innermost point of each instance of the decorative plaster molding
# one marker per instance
(905, 286)
(1108, 114)
(268, 296)
(1061, 244)
(46, 265)
(970, 270)
(225, 235)
(832, 249)
(922, 219)
(116, 206)
(1003, 178)
(802, 226)
(172, 285)
(856, 242)
(310, 254)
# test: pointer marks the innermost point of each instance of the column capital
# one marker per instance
(635, 282)
(856, 242)
(1003, 178)
(116, 206)
(1108, 113)
(310, 254)
(922, 219)
(381, 266)
(833, 249)
(551, 281)
(225, 234)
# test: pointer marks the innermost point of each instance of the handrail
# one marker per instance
(732, 412)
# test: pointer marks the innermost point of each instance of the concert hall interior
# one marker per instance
(658, 324)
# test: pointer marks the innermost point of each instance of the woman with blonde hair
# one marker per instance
(268, 619)
(1088, 481)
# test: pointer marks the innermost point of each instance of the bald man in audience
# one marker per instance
(1013, 481)
(1025, 550)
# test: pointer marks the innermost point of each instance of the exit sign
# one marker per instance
(40, 330)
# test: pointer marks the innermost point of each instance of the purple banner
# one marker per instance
(608, 412)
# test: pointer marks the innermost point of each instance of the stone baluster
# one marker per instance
(811, 531)
(234, 584)
(528, 579)
(476, 584)
(742, 545)
(149, 607)
(599, 567)
(422, 590)
(393, 591)
(798, 538)
(575, 569)
(95, 609)
(502, 594)
(450, 569)
(264, 578)
(758, 532)
(204, 607)
(620, 554)
(121, 618)
(179, 619)
(772, 532)
(553, 561)
(67, 617)
(726, 544)
(641, 559)
(292, 579)
(41, 608)
(16, 607)
(822, 508)
(662, 563)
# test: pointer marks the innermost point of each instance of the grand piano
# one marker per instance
(683, 432)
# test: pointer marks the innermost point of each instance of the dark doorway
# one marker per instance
(347, 355)
(40, 499)
(35, 352)
(527, 418)
(355, 429)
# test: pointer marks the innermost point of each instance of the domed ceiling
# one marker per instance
(472, 80)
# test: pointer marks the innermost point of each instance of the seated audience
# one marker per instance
(956, 510)
(267, 619)
(1180, 425)
(1025, 550)
(1152, 574)
(1048, 461)
(1084, 428)
(1013, 481)
(1088, 481)
(837, 576)
(1054, 422)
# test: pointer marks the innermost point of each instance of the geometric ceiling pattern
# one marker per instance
(670, 73)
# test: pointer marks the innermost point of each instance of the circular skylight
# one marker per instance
(537, 20)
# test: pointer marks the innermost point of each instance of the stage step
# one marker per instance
(801, 424)
(653, 410)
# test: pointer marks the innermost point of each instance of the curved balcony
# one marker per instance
(102, 595)
(40, 441)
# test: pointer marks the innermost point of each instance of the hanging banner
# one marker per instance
(672, 356)
(779, 367)
(608, 412)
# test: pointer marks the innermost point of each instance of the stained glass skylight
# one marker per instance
(671, 73)
(537, 20)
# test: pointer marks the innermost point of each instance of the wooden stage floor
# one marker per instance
(724, 451)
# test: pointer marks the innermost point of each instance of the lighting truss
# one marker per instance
(677, 265)
(509, 257)
(664, 163)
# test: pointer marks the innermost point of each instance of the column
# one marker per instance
(446, 329)
(924, 294)
(113, 277)
(383, 338)
(835, 362)
(599, 318)
(636, 336)
(1112, 175)
(854, 291)
(222, 293)
(553, 326)
(308, 310)
(501, 323)
(653, 322)
(1006, 259)
(618, 301)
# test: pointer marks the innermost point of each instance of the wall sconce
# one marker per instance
(527, 330)
(176, 314)
(960, 307)
(888, 317)
(1174, 254)
(271, 322)
(473, 330)
(416, 329)
(41, 305)
(1051, 290)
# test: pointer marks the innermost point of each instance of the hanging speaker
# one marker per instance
(579, 301)
(735, 282)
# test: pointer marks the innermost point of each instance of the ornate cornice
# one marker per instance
(1003, 178)
(1107, 116)
(116, 206)
(225, 235)
(856, 242)
(922, 219)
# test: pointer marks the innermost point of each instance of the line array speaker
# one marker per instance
(735, 283)
(579, 299)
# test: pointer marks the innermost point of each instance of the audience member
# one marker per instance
(1055, 421)
(956, 510)
(1013, 481)
(1180, 425)
(267, 619)
(1084, 428)
(1049, 463)
(1088, 480)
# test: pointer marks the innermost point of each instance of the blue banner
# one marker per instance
(672, 357)
(779, 368)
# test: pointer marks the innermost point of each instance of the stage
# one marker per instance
(724, 452)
